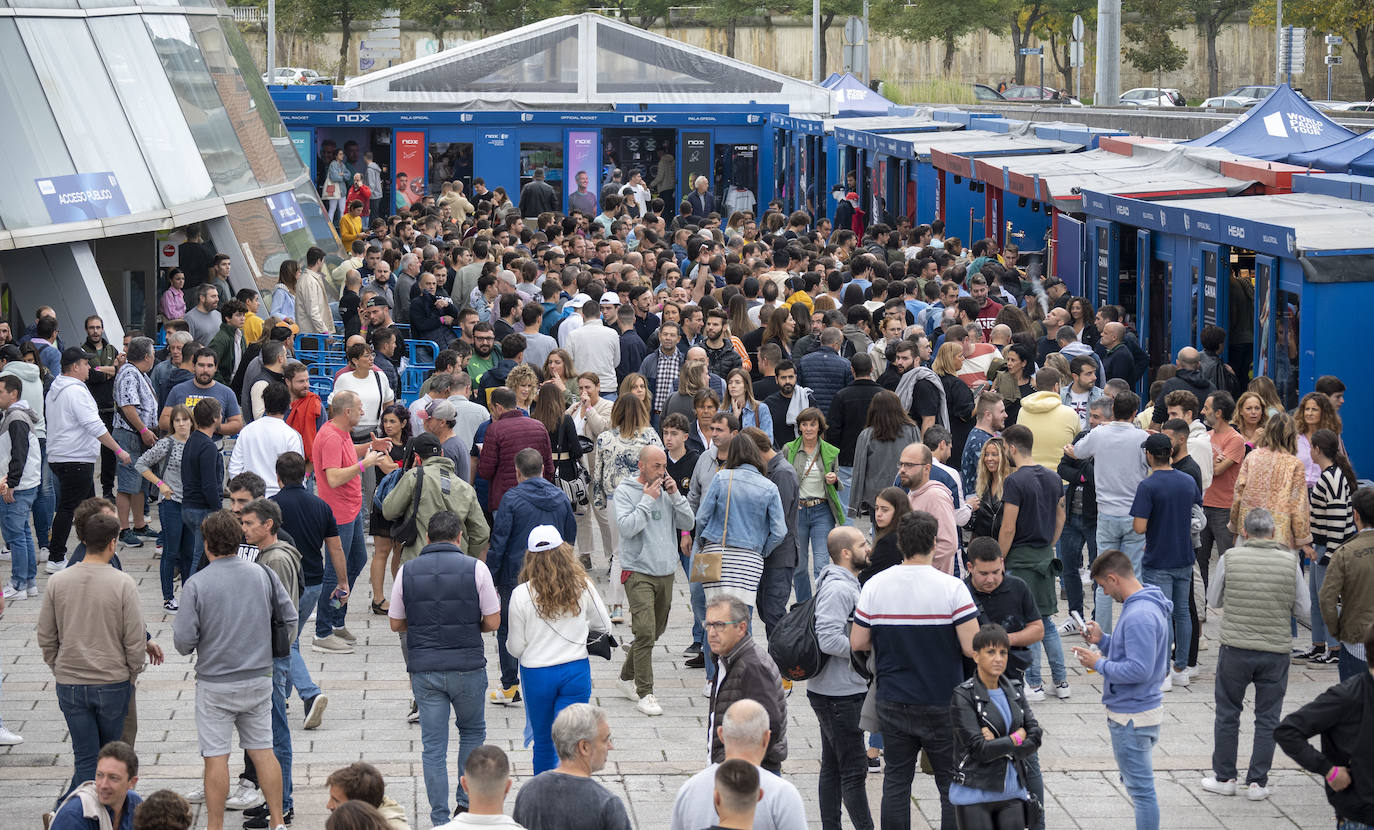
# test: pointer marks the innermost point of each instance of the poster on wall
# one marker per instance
(1104, 267)
(410, 168)
(696, 159)
(1264, 333)
(582, 161)
(82, 196)
(286, 211)
(1209, 288)
(300, 139)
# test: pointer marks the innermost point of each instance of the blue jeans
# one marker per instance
(1132, 745)
(1055, 651)
(846, 475)
(191, 517)
(1075, 535)
(1116, 533)
(698, 598)
(46, 504)
(177, 543)
(907, 729)
(1315, 574)
(843, 766)
(14, 523)
(95, 716)
(327, 617)
(548, 691)
(1238, 668)
(436, 692)
(281, 729)
(1177, 585)
(813, 527)
(1349, 665)
(510, 667)
(609, 396)
(300, 675)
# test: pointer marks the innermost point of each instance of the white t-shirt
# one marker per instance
(466, 820)
(375, 392)
(780, 809)
(1079, 404)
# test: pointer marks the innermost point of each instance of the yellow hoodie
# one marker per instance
(1053, 423)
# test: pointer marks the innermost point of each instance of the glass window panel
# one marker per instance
(321, 230)
(143, 89)
(257, 232)
(200, 104)
(262, 102)
(238, 101)
(88, 112)
(626, 62)
(545, 63)
(44, 4)
(31, 143)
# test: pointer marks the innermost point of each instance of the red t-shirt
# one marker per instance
(1223, 489)
(334, 450)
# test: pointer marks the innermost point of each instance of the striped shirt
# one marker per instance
(913, 611)
(1333, 519)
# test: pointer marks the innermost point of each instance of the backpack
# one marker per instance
(793, 645)
(385, 486)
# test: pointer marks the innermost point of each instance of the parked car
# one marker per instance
(1039, 93)
(1230, 102)
(1257, 91)
(1354, 106)
(290, 75)
(983, 92)
(1149, 96)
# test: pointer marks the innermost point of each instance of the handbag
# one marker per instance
(599, 643)
(331, 190)
(577, 488)
(706, 563)
(282, 633)
(407, 530)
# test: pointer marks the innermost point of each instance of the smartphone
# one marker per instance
(337, 597)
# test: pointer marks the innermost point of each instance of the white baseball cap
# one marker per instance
(610, 298)
(578, 301)
(544, 537)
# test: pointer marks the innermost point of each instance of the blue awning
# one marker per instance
(852, 97)
(1280, 126)
(1340, 157)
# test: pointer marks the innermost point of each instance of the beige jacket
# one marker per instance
(90, 628)
(312, 306)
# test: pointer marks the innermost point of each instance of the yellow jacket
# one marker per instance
(350, 228)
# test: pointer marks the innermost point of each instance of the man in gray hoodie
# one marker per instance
(226, 618)
(45, 502)
(836, 693)
(650, 512)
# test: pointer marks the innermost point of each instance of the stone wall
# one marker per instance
(1247, 56)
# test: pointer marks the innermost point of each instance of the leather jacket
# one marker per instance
(980, 763)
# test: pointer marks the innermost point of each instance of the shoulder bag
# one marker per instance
(283, 633)
(407, 530)
(599, 643)
(706, 563)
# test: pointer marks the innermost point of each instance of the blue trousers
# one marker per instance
(1177, 585)
(281, 729)
(548, 691)
(327, 617)
(510, 667)
(14, 523)
(1315, 574)
(95, 716)
(300, 675)
(436, 694)
(1133, 747)
(698, 598)
(177, 546)
(813, 528)
(1076, 534)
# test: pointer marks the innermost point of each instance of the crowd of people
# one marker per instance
(923, 444)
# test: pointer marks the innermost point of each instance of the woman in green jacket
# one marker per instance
(819, 510)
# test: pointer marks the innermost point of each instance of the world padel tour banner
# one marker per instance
(82, 196)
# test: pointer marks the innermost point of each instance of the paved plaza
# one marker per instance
(369, 696)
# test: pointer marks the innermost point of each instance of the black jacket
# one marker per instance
(783, 432)
(723, 360)
(978, 762)
(750, 673)
(1343, 716)
(538, 197)
(425, 319)
(1189, 379)
(848, 415)
(1117, 363)
(1078, 472)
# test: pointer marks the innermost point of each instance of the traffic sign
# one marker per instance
(1075, 53)
(1078, 27)
(1032, 50)
(1334, 60)
(1334, 40)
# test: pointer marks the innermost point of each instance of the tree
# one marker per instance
(926, 20)
(1055, 30)
(1209, 15)
(342, 15)
(727, 14)
(641, 13)
(1024, 18)
(1152, 48)
(831, 10)
(436, 16)
(1353, 19)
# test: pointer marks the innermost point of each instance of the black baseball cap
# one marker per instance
(10, 352)
(1158, 445)
(425, 445)
(73, 355)
(377, 301)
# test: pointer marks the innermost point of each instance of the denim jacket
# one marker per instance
(756, 518)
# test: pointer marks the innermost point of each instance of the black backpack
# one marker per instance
(792, 644)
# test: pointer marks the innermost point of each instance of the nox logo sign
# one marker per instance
(353, 118)
(641, 119)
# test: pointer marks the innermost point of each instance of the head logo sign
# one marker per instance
(82, 197)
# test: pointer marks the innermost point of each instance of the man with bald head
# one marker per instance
(1000, 336)
(744, 730)
(1189, 378)
(651, 515)
(1056, 319)
(715, 381)
(1117, 361)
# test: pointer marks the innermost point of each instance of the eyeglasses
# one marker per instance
(721, 626)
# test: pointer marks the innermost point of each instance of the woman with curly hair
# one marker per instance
(525, 384)
(552, 611)
(395, 429)
(1249, 418)
(994, 465)
(1315, 411)
(163, 810)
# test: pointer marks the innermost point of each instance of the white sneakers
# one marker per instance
(1062, 691)
(627, 688)
(245, 797)
(1168, 684)
(195, 795)
(1255, 791)
(1035, 695)
(55, 567)
(8, 738)
(1180, 678)
(13, 594)
(649, 706)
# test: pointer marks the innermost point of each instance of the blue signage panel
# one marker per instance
(286, 211)
(604, 119)
(82, 196)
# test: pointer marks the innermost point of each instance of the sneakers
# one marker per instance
(345, 635)
(129, 539)
(13, 594)
(502, 697)
(649, 706)
(1212, 785)
(1168, 684)
(1256, 791)
(414, 716)
(146, 532)
(248, 795)
(1062, 691)
(1310, 654)
(1330, 658)
(1180, 678)
(875, 763)
(8, 738)
(706, 689)
(1035, 695)
(314, 711)
(4, 553)
(786, 687)
(259, 818)
(170, 605)
(696, 661)
(195, 795)
(694, 648)
(32, 591)
(617, 614)
(54, 567)
(627, 688)
(1069, 627)
(333, 644)
(585, 560)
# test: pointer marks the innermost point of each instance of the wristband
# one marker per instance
(1016, 738)
(145, 429)
(1331, 776)
(160, 484)
(361, 468)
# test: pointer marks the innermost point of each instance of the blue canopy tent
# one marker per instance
(853, 98)
(1278, 127)
(1354, 155)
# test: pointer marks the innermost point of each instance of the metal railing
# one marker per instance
(248, 14)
